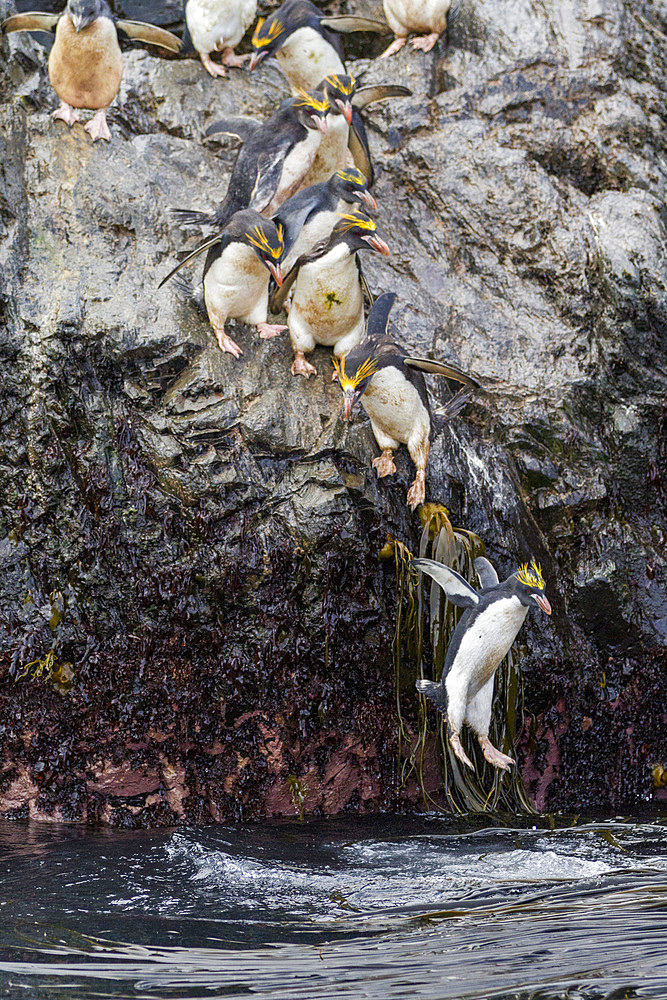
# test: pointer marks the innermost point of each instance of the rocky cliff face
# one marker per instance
(196, 622)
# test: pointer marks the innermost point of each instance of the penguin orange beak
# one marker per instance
(257, 58)
(377, 244)
(543, 603)
(345, 110)
(321, 124)
(276, 272)
(368, 200)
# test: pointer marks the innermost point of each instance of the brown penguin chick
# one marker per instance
(86, 63)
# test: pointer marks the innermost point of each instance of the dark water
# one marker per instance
(378, 909)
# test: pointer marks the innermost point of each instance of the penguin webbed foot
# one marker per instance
(302, 367)
(215, 69)
(457, 747)
(395, 47)
(384, 463)
(97, 127)
(425, 42)
(230, 58)
(268, 330)
(226, 344)
(494, 756)
(66, 113)
(416, 493)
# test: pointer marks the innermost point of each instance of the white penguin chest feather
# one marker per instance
(236, 286)
(484, 645)
(218, 23)
(332, 154)
(315, 230)
(327, 296)
(404, 16)
(306, 58)
(393, 403)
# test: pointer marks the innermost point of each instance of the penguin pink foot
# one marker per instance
(417, 492)
(215, 69)
(493, 755)
(395, 47)
(228, 345)
(268, 330)
(426, 42)
(302, 367)
(66, 113)
(457, 747)
(97, 127)
(230, 58)
(384, 463)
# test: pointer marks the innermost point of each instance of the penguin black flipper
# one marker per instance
(486, 573)
(440, 368)
(279, 296)
(457, 589)
(378, 92)
(346, 24)
(357, 143)
(30, 21)
(293, 213)
(150, 34)
(239, 126)
(269, 170)
(365, 287)
(220, 238)
(378, 317)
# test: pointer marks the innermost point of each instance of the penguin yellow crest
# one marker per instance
(352, 381)
(307, 100)
(258, 238)
(263, 37)
(352, 176)
(345, 84)
(355, 220)
(531, 575)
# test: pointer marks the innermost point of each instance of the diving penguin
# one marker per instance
(305, 42)
(236, 274)
(274, 158)
(480, 642)
(218, 26)
(328, 294)
(309, 216)
(425, 16)
(346, 140)
(393, 393)
(85, 63)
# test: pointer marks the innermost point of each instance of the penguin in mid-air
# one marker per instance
(85, 62)
(218, 26)
(236, 274)
(328, 291)
(392, 390)
(305, 42)
(481, 640)
(346, 139)
(309, 216)
(274, 158)
(428, 18)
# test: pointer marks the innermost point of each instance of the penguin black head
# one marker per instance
(312, 110)
(351, 185)
(84, 12)
(265, 238)
(357, 368)
(359, 231)
(528, 585)
(339, 91)
(268, 36)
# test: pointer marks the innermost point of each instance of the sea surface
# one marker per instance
(372, 908)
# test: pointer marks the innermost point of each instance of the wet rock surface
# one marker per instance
(195, 621)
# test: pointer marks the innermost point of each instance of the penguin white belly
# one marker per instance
(483, 646)
(297, 164)
(236, 286)
(394, 405)
(306, 58)
(86, 67)
(218, 23)
(332, 154)
(315, 230)
(327, 304)
(405, 16)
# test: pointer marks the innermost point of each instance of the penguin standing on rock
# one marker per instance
(218, 26)
(428, 17)
(85, 62)
(305, 42)
(274, 158)
(393, 393)
(328, 298)
(481, 640)
(236, 275)
(309, 216)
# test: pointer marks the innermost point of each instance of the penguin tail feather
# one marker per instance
(434, 692)
(454, 405)
(188, 217)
